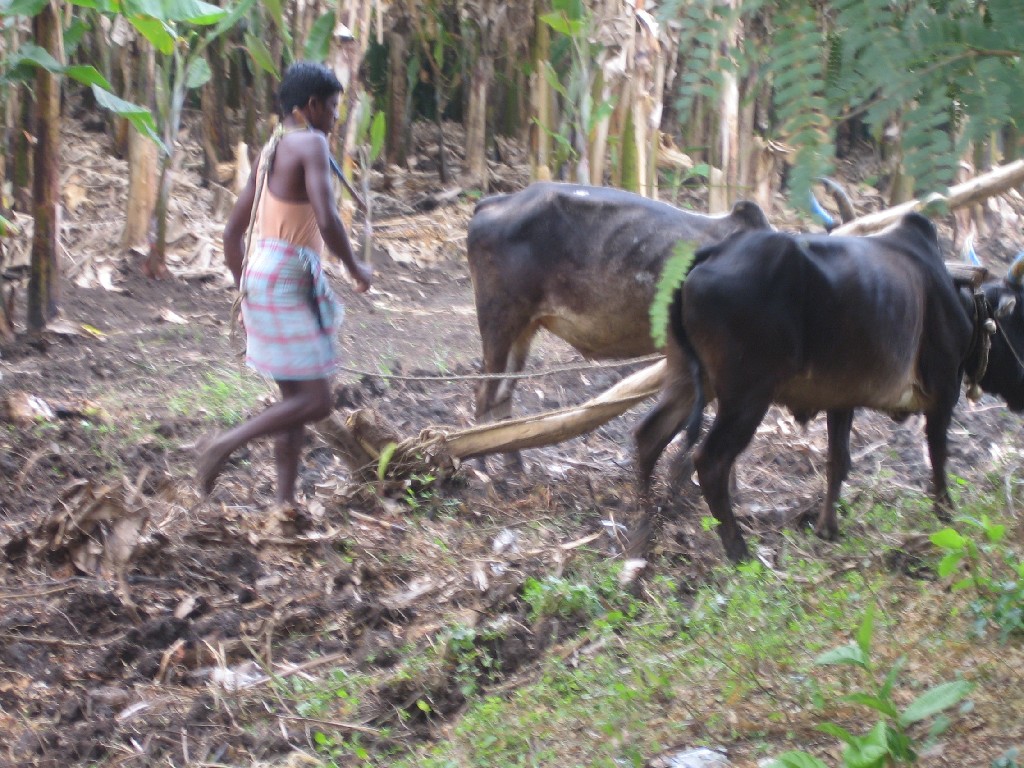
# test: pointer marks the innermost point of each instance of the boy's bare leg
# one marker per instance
(287, 450)
(301, 403)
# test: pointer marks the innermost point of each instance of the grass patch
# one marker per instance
(222, 397)
(737, 661)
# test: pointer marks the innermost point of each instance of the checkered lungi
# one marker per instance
(291, 315)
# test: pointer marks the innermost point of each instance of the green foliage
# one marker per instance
(385, 459)
(994, 571)
(466, 649)
(419, 490)
(221, 398)
(673, 273)
(7, 227)
(333, 695)
(371, 131)
(140, 117)
(943, 73)
(318, 44)
(553, 596)
(889, 740)
(571, 75)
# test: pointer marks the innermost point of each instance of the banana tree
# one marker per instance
(484, 24)
(40, 61)
(180, 30)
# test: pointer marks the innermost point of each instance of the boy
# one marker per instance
(290, 314)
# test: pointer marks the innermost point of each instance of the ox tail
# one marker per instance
(696, 370)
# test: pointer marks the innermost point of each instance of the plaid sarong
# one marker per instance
(291, 315)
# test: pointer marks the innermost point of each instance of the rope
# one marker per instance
(485, 376)
(1009, 345)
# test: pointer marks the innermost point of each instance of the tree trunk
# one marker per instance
(43, 289)
(142, 161)
(346, 59)
(476, 117)
(540, 99)
(142, 188)
(599, 136)
(21, 172)
(729, 127)
(396, 146)
(156, 264)
(629, 162)
(6, 321)
(217, 145)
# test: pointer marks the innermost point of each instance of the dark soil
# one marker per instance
(125, 598)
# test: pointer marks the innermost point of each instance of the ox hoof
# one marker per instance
(641, 539)
(827, 532)
(736, 551)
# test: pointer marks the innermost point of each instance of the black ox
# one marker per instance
(819, 323)
(582, 262)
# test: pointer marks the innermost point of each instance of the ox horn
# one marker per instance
(1016, 273)
(842, 199)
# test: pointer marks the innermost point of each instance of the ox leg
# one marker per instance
(936, 428)
(731, 432)
(661, 424)
(839, 425)
(656, 431)
(505, 353)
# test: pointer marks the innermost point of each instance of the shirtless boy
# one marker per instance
(291, 317)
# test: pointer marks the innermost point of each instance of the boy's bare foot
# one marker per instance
(212, 458)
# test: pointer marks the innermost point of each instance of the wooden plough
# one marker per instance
(363, 437)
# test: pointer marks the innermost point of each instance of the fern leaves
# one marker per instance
(943, 73)
(799, 68)
(677, 266)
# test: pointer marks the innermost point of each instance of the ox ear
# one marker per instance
(1006, 306)
(750, 214)
(1015, 276)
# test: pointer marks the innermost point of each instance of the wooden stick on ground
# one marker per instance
(364, 435)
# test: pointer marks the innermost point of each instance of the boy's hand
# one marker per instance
(363, 276)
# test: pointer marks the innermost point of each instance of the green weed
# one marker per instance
(994, 572)
(223, 397)
(890, 740)
(553, 596)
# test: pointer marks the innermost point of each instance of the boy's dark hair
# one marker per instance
(305, 79)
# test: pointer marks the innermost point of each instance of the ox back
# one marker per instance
(582, 262)
(813, 323)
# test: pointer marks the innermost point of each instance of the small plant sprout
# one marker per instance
(890, 740)
(995, 572)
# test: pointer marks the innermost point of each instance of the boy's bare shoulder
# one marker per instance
(306, 141)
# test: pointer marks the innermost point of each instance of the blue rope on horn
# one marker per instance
(967, 252)
(821, 214)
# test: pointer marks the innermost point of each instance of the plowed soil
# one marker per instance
(124, 596)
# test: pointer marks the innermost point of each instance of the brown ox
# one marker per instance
(582, 262)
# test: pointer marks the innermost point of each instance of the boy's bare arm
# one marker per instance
(238, 223)
(316, 166)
